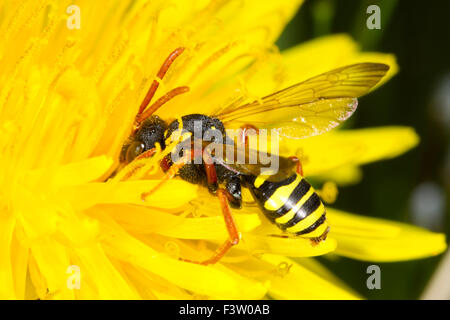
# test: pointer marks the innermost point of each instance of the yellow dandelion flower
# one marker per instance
(73, 77)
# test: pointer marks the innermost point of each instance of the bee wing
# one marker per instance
(248, 161)
(310, 107)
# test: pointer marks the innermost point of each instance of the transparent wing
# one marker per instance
(310, 107)
(247, 161)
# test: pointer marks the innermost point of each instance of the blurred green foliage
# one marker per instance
(418, 33)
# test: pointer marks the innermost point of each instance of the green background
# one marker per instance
(418, 33)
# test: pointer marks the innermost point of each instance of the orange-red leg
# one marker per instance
(224, 197)
(170, 173)
(211, 175)
(146, 154)
(233, 233)
(299, 165)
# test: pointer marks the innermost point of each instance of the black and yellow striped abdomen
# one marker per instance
(292, 204)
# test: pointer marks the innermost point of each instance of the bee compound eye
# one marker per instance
(135, 149)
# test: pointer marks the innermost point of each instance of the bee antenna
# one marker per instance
(158, 103)
(155, 84)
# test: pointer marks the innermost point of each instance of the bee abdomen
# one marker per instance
(292, 204)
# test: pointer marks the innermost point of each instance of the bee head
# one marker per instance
(150, 132)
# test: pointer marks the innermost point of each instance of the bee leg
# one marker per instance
(299, 165)
(170, 173)
(234, 193)
(243, 134)
(234, 235)
(147, 154)
(210, 169)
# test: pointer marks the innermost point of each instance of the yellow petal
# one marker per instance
(151, 220)
(153, 287)
(109, 282)
(86, 195)
(19, 261)
(300, 283)
(344, 176)
(52, 261)
(197, 278)
(7, 222)
(371, 239)
(333, 150)
(290, 247)
(75, 173)
(82, 172)
(315, 266)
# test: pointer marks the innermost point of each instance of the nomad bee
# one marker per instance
(308, 108)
